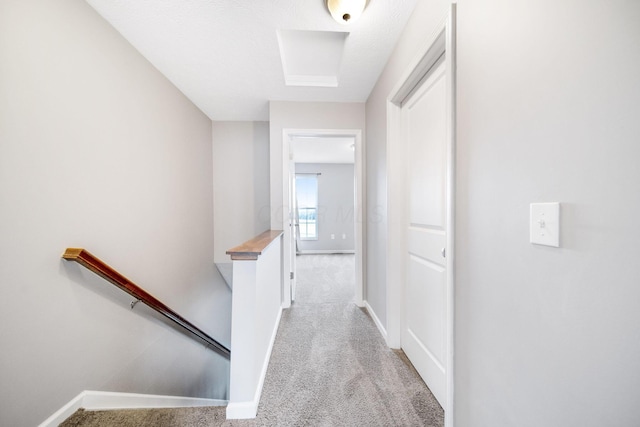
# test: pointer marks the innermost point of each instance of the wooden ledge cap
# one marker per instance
(252, 249)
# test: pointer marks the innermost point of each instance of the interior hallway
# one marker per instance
(329, 367)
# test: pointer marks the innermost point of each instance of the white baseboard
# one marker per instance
(104, 400)
(242, 410)
(327, 251)
(245, 410)
(372, 313)
(65, 412)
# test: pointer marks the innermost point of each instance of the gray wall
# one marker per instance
(427, 15)
(335, 207)
(240, 183)
(301, 115)
(99, 150)
(547, 111)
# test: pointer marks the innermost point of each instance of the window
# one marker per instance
(307, 202)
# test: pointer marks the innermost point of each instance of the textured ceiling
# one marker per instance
(224, 54)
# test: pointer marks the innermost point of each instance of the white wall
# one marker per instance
(548, 111)
(335, 207)
(98, 150)
(426, 17)
(240, 183)
(301, 115)
(256, 315)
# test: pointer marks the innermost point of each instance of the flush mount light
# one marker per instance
(346, 11)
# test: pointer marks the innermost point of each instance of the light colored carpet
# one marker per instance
(329, 367)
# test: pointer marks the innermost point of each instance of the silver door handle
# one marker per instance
(443, 251)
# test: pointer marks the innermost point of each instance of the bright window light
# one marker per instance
(307, 203)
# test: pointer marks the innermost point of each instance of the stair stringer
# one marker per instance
(226, 271)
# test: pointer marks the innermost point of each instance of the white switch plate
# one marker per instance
(544, 224)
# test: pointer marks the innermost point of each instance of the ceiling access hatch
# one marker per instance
(311, 58)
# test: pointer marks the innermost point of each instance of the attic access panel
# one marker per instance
(311, 58)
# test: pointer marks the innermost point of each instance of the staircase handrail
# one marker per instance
(93, 263)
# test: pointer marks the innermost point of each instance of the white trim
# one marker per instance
(326, 251)
(245, 410)
(377, 321)
(265, 364)
(313, 81)
(242, 410)
(94, 400)
(418, 69)
(451, 185)
(360, 201)
(441, 42)
(105, 400)
(396, 239)
(65, 412)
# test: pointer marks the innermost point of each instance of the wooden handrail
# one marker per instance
(252, 249)
(86, 259)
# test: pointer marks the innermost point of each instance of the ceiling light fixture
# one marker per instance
(346, 11)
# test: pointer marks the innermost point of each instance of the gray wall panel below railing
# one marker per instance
(91, 262)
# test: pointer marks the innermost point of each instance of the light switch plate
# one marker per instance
(544, 224)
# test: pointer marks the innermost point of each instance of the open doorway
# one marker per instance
(324, 206)
(326, 214)
(324, 199)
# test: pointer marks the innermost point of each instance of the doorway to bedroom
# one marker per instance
(324, 206)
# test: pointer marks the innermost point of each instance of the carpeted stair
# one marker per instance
(209, 416)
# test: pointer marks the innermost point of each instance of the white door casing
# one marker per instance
(439, 47)
(289, 243)
(293, 224)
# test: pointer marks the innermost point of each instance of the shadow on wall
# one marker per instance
(175, 353)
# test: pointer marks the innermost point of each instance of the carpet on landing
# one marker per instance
(329, 367)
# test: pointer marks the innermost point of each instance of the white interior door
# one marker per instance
(424, 332)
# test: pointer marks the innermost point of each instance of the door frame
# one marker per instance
(359, 204)
(442, 42)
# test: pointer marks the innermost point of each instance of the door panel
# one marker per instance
(425, 312)
(429, 248)
(424, 330)
(426, 123)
